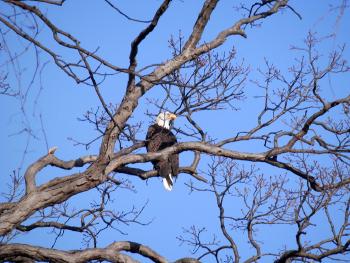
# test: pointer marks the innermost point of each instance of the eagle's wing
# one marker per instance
(158, 139)
(174, 158)
(153, 139)
(174, 161)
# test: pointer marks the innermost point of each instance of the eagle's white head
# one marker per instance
(165, 119)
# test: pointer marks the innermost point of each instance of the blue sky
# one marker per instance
(60, 101)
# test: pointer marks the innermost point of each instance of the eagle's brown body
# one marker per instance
(159, 138)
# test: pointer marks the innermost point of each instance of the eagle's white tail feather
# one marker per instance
(166, 184)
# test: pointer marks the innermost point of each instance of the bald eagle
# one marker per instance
(159, 137)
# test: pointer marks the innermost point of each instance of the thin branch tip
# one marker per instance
(52, 150)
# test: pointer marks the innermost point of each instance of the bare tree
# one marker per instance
(301, 135)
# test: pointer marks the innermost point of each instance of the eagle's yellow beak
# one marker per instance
(172, 116)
